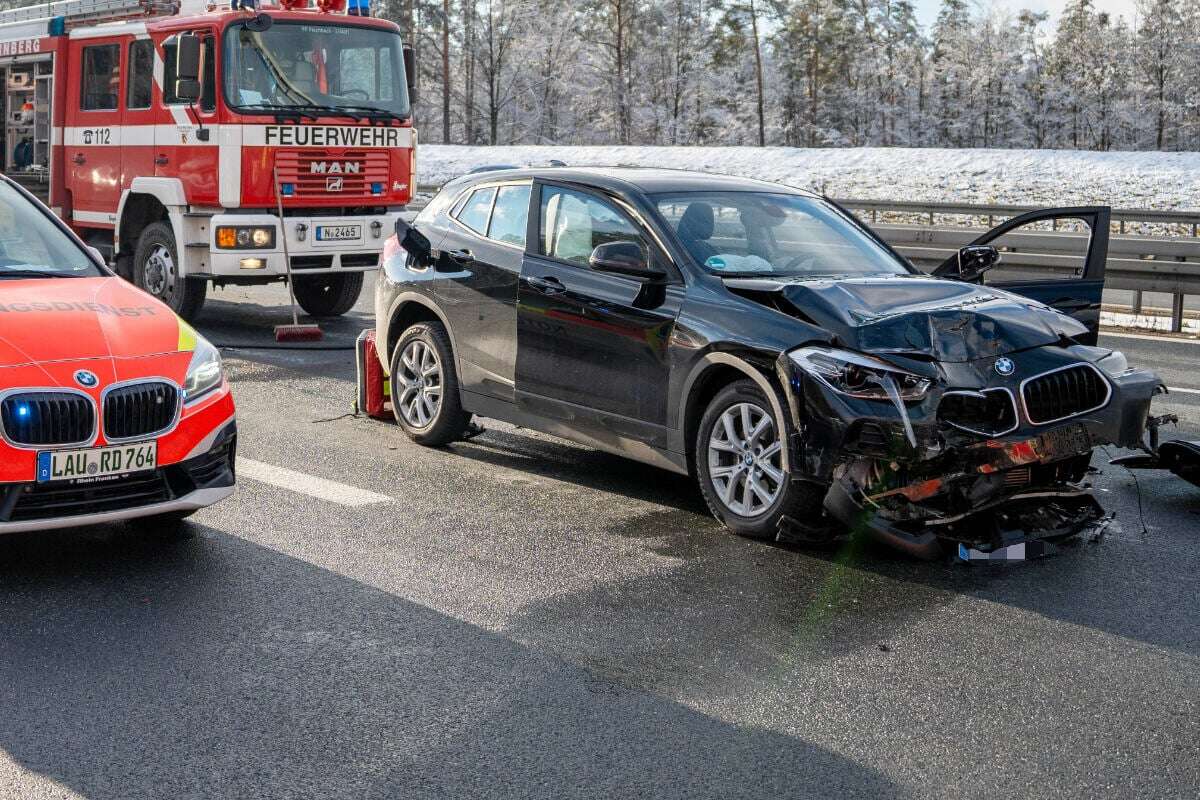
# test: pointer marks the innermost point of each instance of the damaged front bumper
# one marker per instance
(986, 458)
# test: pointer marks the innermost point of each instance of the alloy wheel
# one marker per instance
(745, 460)
(420, 382)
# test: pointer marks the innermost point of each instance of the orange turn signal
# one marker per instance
(227, 237)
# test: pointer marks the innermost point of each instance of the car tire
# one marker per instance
(424, 385)
(328, 295)
(156, 272)
(740, 472)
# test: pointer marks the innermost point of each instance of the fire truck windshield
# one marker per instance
(316, 70)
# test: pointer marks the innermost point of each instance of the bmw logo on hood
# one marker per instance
(1005, 366)
(86, 379)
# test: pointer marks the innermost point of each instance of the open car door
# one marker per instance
(1055, 256)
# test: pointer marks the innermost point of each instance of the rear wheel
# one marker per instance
(328, 295)
(156, 271)
(739, 464)
(424, 384)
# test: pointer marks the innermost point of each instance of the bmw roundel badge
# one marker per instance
(86, 379)
(1005, 366)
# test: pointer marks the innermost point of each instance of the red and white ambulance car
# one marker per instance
(166, 137)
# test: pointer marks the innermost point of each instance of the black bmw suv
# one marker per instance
(764, 340)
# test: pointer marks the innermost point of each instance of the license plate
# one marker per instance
(100, 462)
(338, 233)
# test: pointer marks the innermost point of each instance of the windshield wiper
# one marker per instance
(280, 110)
(310, 110)
(36, 273)
(379, 113)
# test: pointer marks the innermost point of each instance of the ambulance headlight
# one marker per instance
(245, 237)
(205, 373)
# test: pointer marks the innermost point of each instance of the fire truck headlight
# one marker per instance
(204, 373)
(245, 237)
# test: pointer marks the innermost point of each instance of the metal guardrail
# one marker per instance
(1148, 251)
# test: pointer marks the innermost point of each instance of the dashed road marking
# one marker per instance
(311, 485)
(1185, 391)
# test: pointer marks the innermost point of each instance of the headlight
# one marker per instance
(1114, 363)
(245, 237)
(204, 373)
(858, 375)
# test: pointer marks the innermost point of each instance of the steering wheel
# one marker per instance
(799, 261)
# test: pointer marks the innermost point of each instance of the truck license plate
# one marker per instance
(338, 233)
(100, 462)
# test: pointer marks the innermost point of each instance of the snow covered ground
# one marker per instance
(1006, 177)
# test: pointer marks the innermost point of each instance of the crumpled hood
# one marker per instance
(46, 320)
(947, 320)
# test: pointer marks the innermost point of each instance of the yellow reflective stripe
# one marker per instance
(187, 337)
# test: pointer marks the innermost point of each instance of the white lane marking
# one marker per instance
(310, 485)
(1149, 338)
(1185, 391)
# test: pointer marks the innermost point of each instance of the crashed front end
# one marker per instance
(980, 453)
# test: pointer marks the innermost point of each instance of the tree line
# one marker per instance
(811, 73)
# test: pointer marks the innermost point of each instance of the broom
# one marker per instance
(294, 332)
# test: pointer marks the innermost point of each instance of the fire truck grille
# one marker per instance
(351, 173)
(140, 409)
(48, 418)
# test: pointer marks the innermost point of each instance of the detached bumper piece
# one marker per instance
(186, 485)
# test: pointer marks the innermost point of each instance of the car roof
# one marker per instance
(648, 180)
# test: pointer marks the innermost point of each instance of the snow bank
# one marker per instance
(1007, 177)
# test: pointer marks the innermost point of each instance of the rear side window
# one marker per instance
(101, 77)
(475, 213)
(141, 73)
(574, 223)
(510, 217)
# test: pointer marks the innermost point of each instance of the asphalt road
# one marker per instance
(521, 617)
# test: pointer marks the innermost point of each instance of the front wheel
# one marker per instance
(739, 464)
(156, 271)
(424, 384)
(328, 295)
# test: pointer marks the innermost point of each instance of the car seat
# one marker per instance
(695, 228)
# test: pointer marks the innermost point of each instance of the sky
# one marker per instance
(927, 10)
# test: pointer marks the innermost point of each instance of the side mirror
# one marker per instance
(969, 263)
(627, 259)
(415, 243)
(410, 72)
(187, 67)
(96, 254)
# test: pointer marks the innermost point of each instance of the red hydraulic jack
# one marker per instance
(374, 392)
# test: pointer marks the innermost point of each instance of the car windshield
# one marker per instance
(767, 234)
(310, 68)
(31, 245)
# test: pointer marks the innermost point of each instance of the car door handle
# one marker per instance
(547, 284)
(462, 257)
(79, 158)
(161, 160)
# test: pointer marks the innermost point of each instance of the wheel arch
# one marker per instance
(713, 372)
(147, 200)
(408, 309)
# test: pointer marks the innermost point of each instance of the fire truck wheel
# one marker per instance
(328, 295)
(425, 386)
(156, 271)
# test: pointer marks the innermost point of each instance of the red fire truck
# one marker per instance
(166, 138)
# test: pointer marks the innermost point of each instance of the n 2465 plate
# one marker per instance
(99, 462)
(339, 233)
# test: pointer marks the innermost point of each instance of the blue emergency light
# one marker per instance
(22, 411)
(359, 8)
(376, 188)
(288, 189)
(249, 5)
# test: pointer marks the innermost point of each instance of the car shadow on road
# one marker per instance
(220, 668)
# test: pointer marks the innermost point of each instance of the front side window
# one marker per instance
(208, 79)
(141, 74)
(31, 243)
(101, 77)
(761, 233)
(573, 224)
(510, 217)
(348, 69)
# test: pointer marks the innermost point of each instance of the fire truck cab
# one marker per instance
(168, 139)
